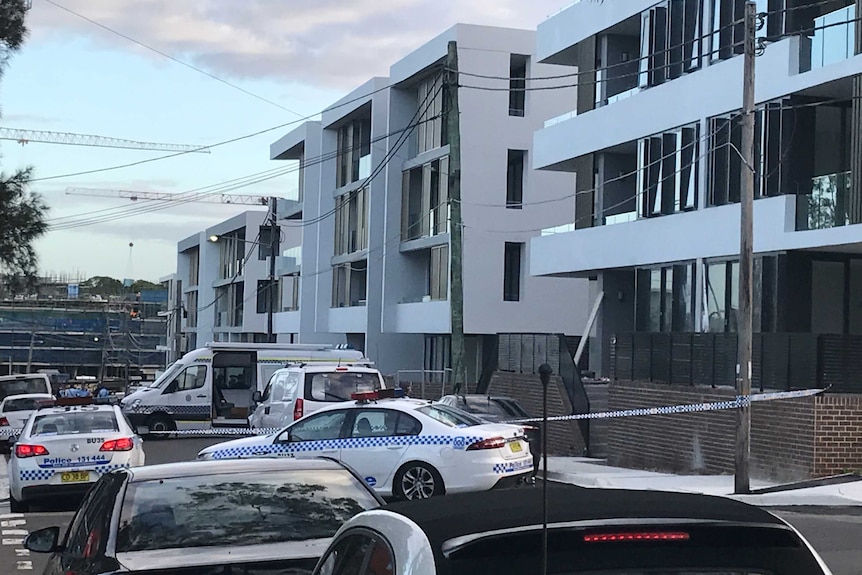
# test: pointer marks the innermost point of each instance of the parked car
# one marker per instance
(261, 516)
(404, 448)
(498, 409)
(590, 531)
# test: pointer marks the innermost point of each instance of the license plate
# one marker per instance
(75, 476)
(515, 446)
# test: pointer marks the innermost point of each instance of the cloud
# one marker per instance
(322, 43)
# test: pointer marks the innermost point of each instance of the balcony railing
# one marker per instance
(834, 39)
(826, 205)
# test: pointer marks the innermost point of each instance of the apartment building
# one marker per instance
(656, 222)
(223, 280)
(375, 268)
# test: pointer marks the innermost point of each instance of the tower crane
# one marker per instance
(169, 197)
(23, 136)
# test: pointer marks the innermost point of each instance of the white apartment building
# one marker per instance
(652, 140)
(222, 277)
(374, 267)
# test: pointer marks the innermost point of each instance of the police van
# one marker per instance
(214, 386)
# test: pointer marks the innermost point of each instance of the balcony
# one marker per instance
(834, 39)
(827, 204)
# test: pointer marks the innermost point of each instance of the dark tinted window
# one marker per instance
(24, 386)
(359, 554)
(239, 509)
(89, 530)
(74, 422)
(485, 407)
(449, 415)
(338, 386)
(24, 404)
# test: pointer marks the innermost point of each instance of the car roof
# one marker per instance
(459, 515)
(87, 408)
(220, 466)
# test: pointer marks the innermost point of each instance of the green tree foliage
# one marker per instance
(22, 212)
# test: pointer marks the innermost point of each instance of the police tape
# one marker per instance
(736, 403)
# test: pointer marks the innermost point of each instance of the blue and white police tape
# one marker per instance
(739, 401)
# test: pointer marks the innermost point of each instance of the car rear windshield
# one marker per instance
(450, 416)
(485, 407)
(24, 404)
(74, 422)
(239, 509)
(338, 386)
(24, 385)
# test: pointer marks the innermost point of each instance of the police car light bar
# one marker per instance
(379, 394)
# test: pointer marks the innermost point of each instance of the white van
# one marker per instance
(212, 386)
(25, 383)
(298, 390)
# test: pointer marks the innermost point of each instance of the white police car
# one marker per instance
(64, 449)
(406, 448)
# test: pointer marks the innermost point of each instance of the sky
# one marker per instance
(287, 59)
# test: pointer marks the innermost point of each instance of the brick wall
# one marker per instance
(564, 437)
(782, 433)
(838, 434)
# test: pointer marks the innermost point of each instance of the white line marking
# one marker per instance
(11, 515)
(12, 522)
(23, 532)
(25, 565)
(17, 541)
(22, 553)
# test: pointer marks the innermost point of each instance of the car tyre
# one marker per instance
(160, 422)
(417, 480)
(16, 506)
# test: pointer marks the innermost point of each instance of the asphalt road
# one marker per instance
(835, 532)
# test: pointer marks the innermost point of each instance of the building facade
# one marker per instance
(375, 269)
(656, 222)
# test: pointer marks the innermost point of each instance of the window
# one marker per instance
(384, 423)
(351, 222)
(267, 292)
(74, 422)
(229, 305)
(359, 553)
(512, 271)
(235, 370)
(192, 377)
(671, 41)
(191, 309)
(338, 386)
(425, 200)
(448, 416)
(665, 299)
(430, 101)
(517, 84)
(515, 179)
(238, 509)
(438, 273)
(264, 248)
(90, 528)
(349, 286)
(668, 171)
(194, 256)
(232, 254)
(316, 428)
(354, 151)
(289, 288)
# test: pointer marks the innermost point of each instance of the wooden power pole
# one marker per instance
(456, 287)
(274, 233)
(746, 256)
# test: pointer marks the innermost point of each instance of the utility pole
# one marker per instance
(273, 249)
(30, 351)
(746, 256)
(456, 288)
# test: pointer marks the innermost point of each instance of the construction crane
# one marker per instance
(169, 197)
(69, 139)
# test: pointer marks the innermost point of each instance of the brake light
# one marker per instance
(492, 443)
(636, 536)
(122, 444)
(4, 421)
(23, 451)
(341, 369)
(298, 408)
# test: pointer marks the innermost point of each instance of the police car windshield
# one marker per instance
(23, 385)
(74, 422)
(239, 509)
(450, 416)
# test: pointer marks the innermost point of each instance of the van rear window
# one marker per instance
(338, 386)
(24, 385)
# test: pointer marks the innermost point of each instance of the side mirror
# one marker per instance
(12, 439)
(256, 397)
(43, 541)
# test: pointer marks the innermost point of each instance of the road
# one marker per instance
(835, 532)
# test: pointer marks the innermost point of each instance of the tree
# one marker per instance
(22, 212)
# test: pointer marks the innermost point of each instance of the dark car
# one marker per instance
(591, 531)
(256, 517)
(499, 409)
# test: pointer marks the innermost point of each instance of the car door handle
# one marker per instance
(201, 396)
(262, 452)
(395, 446)
(329, 452)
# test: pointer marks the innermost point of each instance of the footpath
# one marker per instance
(595, 473)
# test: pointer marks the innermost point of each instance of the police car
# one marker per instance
(64, 449)
(404, 448)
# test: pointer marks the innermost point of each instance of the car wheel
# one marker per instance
(16, 506)
(160, 423)
(417, 480)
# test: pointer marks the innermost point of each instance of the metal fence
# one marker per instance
(784, 361)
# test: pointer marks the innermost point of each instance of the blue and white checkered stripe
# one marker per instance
(184, 409)
(740, 401)
(46, 474)
(288, 449)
